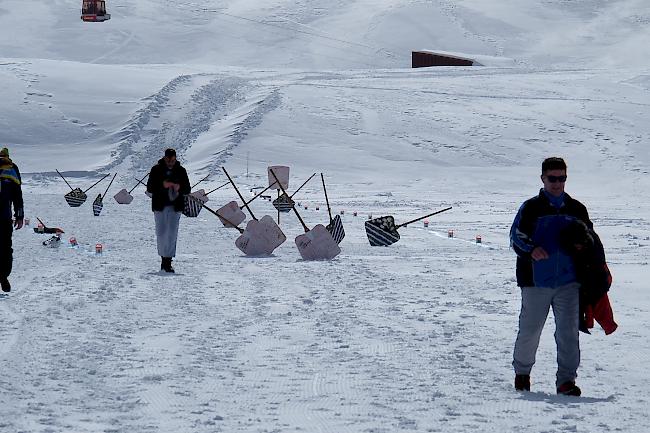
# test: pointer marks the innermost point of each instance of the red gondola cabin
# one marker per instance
(94, 10)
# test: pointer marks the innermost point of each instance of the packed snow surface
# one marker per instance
(417, 336)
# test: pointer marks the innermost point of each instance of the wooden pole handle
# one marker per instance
(329, 211)
(223, 218)
(304, 183)
(217, 188)
(421, 218)
(109, 185)
(199, 182)
(257, 195)
(93, 185)
(140, 181)
(64, 179)
(239, 193)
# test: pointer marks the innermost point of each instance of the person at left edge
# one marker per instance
(10, 194)
(167, 184)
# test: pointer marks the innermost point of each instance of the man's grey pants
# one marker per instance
(535, 304)
(167, 230)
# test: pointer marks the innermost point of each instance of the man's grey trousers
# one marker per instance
(167, 230)
(535, 304)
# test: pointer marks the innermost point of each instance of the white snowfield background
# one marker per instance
(416, 337)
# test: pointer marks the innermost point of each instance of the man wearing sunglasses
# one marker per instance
(547, 277)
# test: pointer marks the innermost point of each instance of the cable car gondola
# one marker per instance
(94, 11)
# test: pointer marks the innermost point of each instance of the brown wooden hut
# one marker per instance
(425, 59)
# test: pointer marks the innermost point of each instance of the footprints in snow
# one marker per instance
(187, 107)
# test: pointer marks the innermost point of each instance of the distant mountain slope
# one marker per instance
(329, 34)
(218, 80)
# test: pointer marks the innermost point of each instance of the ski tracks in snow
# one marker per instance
(186, 109)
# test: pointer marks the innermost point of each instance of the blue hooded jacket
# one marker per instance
(540, 223)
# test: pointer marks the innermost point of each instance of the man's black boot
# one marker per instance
(167, 264)
(522, 382)
(569, 388)
(4, 282)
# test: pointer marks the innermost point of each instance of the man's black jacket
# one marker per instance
(590, 262)
(160, 195)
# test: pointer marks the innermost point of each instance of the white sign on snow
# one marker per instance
(282, 173)
(200, 195)
(123, 197)
(231, 215)
(317, 244)
(261, 237)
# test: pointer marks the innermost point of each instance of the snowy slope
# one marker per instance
(327, 34)
(415, 337)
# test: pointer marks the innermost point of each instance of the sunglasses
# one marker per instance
(555, 179)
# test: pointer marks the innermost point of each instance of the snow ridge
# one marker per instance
(131, 134)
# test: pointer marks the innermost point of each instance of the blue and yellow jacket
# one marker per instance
(539, 223)
(10, 190)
